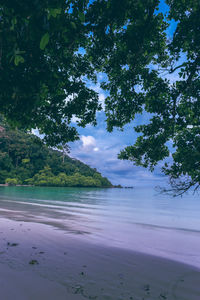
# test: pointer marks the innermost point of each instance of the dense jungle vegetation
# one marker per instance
(25, 159)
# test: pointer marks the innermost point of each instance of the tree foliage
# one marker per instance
(152, 74)
(25, 159)
(43, 77)
(50, 49)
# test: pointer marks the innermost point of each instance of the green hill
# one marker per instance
(25, 159)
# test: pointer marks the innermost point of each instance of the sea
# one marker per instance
(138, 219)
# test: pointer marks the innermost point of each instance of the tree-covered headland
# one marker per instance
(25, 159)
(149, 53)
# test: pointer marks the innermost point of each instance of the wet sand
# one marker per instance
(38, 261)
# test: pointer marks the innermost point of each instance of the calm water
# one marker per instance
(137, 219)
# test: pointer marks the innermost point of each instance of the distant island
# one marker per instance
(26, 160)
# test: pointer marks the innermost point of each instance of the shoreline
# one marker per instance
(45, 186)
(171, 242)
(76, 269)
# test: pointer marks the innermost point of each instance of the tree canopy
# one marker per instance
(25, 159)
(50, 50)
(43, 76)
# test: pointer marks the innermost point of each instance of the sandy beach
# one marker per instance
(40, 262)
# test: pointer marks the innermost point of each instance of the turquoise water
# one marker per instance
(143, 206)
(139, 219)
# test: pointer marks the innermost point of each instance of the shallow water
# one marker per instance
(137, 219)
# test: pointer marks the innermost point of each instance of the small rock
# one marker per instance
(82, 273)
(147, 288)
(12, 244)
(163, 296)
(33, 262)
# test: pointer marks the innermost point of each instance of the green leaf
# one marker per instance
(73, 25)
(18, 59)
(44, 41)
(13, 22)
(81, 16)
(54, 12)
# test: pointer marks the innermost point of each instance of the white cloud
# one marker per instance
(88, 143)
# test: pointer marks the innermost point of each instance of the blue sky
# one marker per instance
(99, 148)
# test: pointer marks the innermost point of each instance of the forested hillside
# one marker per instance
(25, 159)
